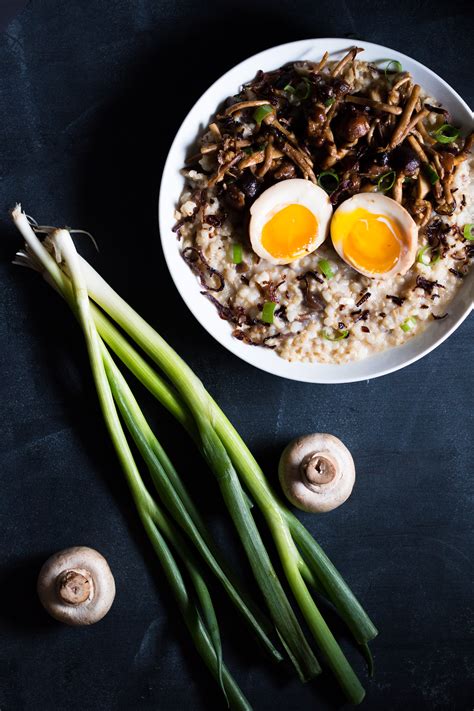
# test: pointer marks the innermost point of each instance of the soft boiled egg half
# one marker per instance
(375, 235)
(289, 220)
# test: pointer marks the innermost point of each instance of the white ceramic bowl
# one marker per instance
(187, 284)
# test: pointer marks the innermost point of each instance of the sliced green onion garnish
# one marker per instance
(329, 102)
(289, 89)
(237, 253)
(423, 258)
(339, 336)
(446, 133)
(260, 113)
(468, 231)
(397, 67)
(408, 324)
(268, 311)
(386, 181)
(325, 268)
(303, 89)
(328, 180)
(431, 173)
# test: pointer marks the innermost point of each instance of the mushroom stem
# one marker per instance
(75, 586)
(318, 468)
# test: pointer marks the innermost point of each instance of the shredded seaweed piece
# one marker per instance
(227, 313)
(457, 273)
(312, 299)
(427, 284)
(363, 316)
(196, 260)
(363, 298)
(398, 300)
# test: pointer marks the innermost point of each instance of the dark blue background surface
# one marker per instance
(92, 93)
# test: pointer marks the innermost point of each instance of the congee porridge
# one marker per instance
(327, 210)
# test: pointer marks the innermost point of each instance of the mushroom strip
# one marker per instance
(217, 177)
(241, 105)
(428, 140)
(464, 154)
(195, 258)
(252, 159)
(406, 115)
(377, 105)
(323, 62)
(350, 56)
(418, 149)
(398, 187)
(394, 95)
(417, 119)
(211, 147)
(268, 158)
(301, 161)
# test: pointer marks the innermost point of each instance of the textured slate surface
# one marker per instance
(84, 133)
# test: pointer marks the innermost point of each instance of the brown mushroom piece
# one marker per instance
(76, 586)
(351, 125)
(316, 472)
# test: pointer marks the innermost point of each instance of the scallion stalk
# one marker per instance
(224, 450)
(184, 380)
(446, 133)
(328, 180)
(386, 181)
(236, 253)
(268, 311)
(397, 67)
(147, 508)
(325, 268)
(260, 113)
(408, 324)
(468, 231)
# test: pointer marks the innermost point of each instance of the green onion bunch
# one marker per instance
(114, 333)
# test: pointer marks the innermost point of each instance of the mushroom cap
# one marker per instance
(76, 586)
(316, 472)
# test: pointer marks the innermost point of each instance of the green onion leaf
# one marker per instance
(468, 231)
(339, 336)
(431, 173)
(329, 102)
(289, 89)
(328, 180)
(260, 113)
(446, 133)
(386, 181)
(423, 258)
(237, 253)
(268, 311)
(393, 67)
(408, 324)
(325, 268)
(303, 89)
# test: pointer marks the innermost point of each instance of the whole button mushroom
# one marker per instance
(316, 472)
(76, 586)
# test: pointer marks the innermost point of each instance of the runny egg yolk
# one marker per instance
(369, 240)
(290, 233)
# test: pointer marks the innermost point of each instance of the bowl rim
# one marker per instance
(312, 372)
